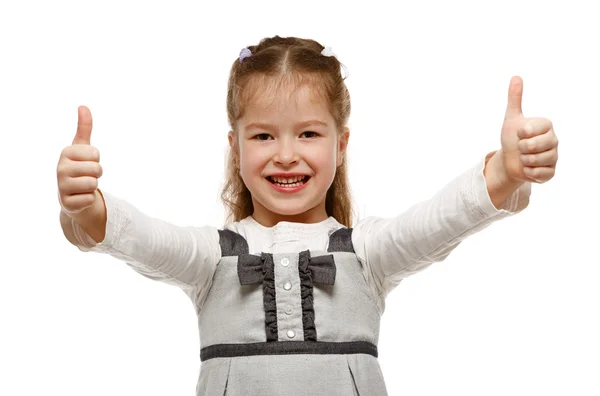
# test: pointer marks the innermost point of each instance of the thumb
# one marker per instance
(515, 95)
(84, 126)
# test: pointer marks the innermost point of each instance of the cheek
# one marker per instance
(252, 161)
(327, 157)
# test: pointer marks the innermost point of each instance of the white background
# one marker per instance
(512, 311)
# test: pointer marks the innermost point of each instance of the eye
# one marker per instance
(310, 134)
(262, 136)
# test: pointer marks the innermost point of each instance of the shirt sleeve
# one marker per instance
(182, 256)
(392, 249)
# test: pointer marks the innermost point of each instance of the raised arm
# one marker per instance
(96, 221)
(183, 256)
(393, 248)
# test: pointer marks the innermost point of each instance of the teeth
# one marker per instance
(290, 184)
(288, 180)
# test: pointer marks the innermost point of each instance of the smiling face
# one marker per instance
(288, 148)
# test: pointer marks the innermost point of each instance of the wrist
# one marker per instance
(500, 186)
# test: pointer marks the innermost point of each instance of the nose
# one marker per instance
(286, 153)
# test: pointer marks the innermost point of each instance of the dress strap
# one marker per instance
(232, 243)
(341, 241)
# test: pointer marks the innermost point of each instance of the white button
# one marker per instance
(291, 333)
(289, 310)
(285, 262)
(287, 286)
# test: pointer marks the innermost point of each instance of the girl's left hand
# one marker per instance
(529, 145)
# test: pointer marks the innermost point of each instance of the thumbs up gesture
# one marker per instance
(79, 168)
(529, 145)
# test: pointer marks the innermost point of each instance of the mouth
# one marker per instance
(288, 182)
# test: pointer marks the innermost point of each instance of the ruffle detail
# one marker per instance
(306, 294)
(269, 301)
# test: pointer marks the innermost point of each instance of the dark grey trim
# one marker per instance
(318, 269)
(341, 241)
(260, 270)
(288, 348)
(251, 269)
(269, 298)
(254, 270)
(306, 294)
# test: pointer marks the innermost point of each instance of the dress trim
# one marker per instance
(288, 348)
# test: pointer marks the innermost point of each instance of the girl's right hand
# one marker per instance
(79, 168)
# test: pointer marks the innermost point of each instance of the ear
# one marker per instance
(342, 146)
(233, 145)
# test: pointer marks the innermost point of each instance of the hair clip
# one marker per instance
(327, 52)
(245, 53)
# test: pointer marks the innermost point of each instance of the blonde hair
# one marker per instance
(293, 61)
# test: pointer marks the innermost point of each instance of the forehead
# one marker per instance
(277, 99)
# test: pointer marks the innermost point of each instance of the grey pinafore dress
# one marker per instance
(294, 323)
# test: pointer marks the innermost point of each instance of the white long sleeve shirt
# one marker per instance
(389, 249)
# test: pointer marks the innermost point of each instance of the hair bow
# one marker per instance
(245, 53)
(327, 52)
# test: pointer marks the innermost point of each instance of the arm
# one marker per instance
(392, 249)
(181, 256)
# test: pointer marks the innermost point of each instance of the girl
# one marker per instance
(288, 294)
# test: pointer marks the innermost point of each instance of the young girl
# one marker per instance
(289, 295)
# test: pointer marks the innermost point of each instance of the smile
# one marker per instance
(288, 184)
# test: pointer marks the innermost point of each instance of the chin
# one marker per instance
(295, 211)
(289, 210)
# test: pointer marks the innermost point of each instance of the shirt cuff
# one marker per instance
(115, 217)
(515, 203)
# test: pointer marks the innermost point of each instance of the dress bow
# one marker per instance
(321, 269)
(251, 268)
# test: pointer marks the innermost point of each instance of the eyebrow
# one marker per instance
(260, 125)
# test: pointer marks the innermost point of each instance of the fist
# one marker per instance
(529, 145)
(79, 168)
